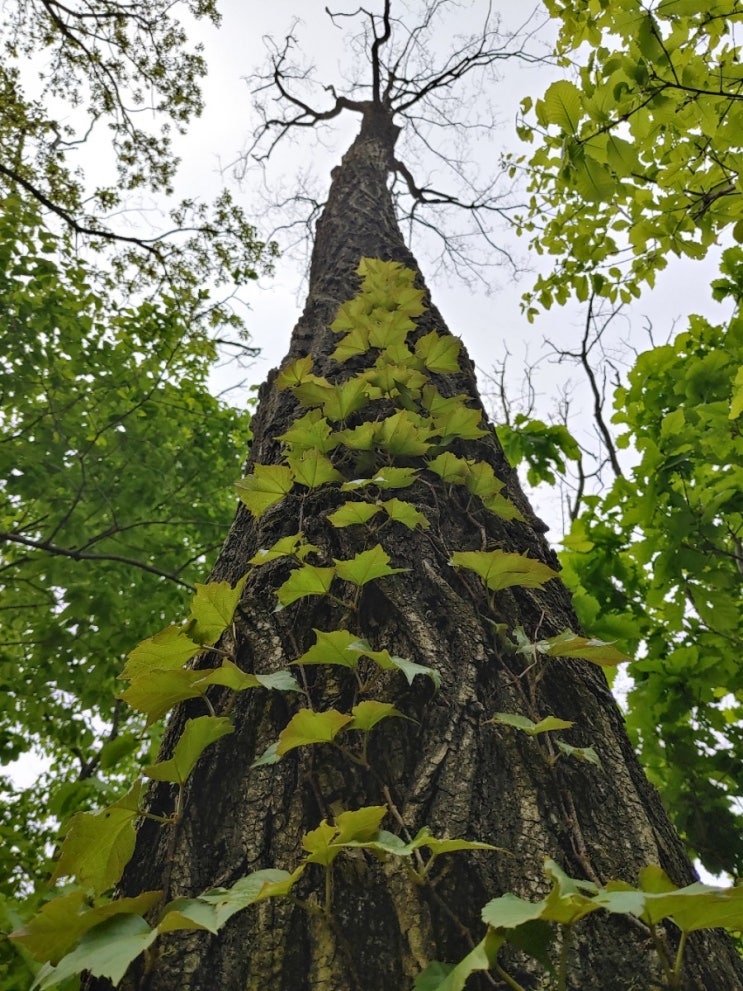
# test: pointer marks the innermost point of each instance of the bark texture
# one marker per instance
(446, 766)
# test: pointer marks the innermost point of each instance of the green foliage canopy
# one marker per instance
(639, 153)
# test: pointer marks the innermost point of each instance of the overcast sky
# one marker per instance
(486, 316)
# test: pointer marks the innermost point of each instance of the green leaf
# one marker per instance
(98, 846)
(265, 486)
(313, 469)
(294, 373)
(500, 569)
(307, 580)
(366, 566)
(510, 911)
(336, 647)
(212, 609)
(158, 691)
(360, 438)
(736, 400)
(355, 828)
(569, 644)
(60, 924)
(284, 547)
(308, 727)
(528, 726)
(438, 977)
(562, 105)
(390, 662)
(439, 352)
(405, 513)
(106, 950)
(214, 908)
(197, 735)
(170, 648)
(368, 713)
(450, 468)
(345, 400)
(402, 435)
(353, 512)
(587, 754)
(390, 477)
(308, 432)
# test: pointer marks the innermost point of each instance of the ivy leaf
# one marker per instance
(212, 609)
(390, 662)
(569, 644)
(391, 477)
(308, 727)
(402, 434)
(587, 754)
(170, 648)
(60, 923)
(510, 911)
(284, 547)
(360, 824)
(229, 675)
(439, 352)
(353, 512)
(197, 735)
(360, 438)
(438, 847)
(309, 432)
(500, 569)
(158, 691)
(345, 399)
(313, 469)
(450, 468)
(314, 391)
(528, 726)
(405, 513)
(336, 647)
(294, 373)
(98, 846)
(368, 713)
(214, 908)
(440, 977)
(106, 950)
(366, 566)
(266, 485)
(307, 580)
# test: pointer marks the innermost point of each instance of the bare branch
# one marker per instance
(78, 555)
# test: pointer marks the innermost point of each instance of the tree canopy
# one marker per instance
(107, 336)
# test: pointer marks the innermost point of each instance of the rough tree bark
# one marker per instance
(445, 767)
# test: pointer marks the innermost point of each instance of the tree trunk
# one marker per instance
(446, 766)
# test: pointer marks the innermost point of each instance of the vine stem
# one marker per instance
(505, 976)
(562, 968)
(678, 962)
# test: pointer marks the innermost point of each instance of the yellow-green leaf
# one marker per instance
(308, 727)
(501, 569)
(197, 735)
(99, 845)
(266, 485)
(366, 566)
(307, 580)
(212, 609)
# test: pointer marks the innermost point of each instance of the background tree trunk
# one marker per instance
(446, 766)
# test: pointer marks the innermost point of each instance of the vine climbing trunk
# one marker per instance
(369, 922)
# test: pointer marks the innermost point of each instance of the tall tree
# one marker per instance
(385, 549)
